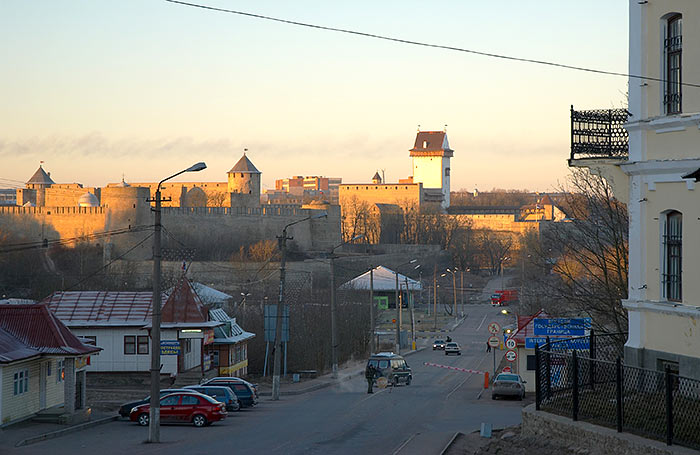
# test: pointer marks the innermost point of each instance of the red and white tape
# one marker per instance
(447, 367)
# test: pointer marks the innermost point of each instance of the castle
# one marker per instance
(221, 216)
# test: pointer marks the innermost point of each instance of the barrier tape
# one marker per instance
(447, 367)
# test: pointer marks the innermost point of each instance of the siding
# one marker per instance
(15, 407)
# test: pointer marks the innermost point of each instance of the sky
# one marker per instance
(144, 88)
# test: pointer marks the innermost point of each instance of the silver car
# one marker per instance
(508, 385)
(452, 348)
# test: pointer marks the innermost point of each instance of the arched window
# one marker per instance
(672, 256)
(673, 50)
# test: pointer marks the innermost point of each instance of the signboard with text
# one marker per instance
(169, 347)
(562, 326)
(562, 343)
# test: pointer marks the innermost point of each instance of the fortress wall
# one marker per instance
(497, 222)
(66, 195)
(382, 194)
(177, 190)
(33, 224)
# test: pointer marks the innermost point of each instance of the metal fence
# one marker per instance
(584, 378)
(599, 134)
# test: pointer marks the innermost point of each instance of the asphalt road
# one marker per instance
(419, 418)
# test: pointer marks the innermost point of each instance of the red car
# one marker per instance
(182, 407)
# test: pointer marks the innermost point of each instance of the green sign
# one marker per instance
(382, 302)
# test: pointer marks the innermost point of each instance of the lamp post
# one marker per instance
(454, 289)
(277, 349)
(334, 325)
(154, 413)
(504, 259)
(398, 306)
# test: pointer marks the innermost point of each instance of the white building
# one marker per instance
(431, 155)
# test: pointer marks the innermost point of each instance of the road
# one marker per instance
(342, 419)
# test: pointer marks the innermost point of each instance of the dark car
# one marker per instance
(508, 385)
(234, 378)
(391, 366)
(219, 393)
(243, 390)
(187, 407)
(438, 344)
(126, 408)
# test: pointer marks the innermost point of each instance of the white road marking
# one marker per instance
(481, 323)
(404, 444)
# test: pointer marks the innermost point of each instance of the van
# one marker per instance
(391, 366)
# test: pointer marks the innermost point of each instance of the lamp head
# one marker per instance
(196, 167)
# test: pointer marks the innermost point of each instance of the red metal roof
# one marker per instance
(101, 306)
(184, 305)
(31, 329)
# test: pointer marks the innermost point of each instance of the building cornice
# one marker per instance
(668, 308)
(666, 123)
(652, 167)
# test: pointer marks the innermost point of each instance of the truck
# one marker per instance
(504, 297)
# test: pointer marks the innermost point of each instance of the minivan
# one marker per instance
(391, 366)
(220, 393)
(245, 393)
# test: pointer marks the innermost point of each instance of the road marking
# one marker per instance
(404, 443)
(481, 323)
(459, 385)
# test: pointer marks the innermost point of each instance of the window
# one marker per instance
(531, 363)
(189, 400)
(21, 382)
(673, 48)
(142, 344)
(60, 370)
(170, 400)
(672, 256)
(447, 172)
(90, 340)
(188, 346)
(48, 368)
(129, 344)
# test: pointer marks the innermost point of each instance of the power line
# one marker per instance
(64, 241)
(424, 44)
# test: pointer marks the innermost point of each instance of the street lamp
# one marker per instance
(277, 350)
(334, 330)
(454, 289)
(154, 413)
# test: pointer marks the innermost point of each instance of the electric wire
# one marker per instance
(430, 45)
(11, 248)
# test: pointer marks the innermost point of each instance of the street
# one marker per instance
(419, 418)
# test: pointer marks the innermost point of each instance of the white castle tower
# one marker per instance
(431, 164)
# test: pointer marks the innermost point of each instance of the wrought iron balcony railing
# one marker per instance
(599, 134)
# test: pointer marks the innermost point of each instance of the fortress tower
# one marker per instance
(431, 155)
(244, 184)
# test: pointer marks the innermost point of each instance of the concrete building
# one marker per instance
(300, 189)
(656, 177)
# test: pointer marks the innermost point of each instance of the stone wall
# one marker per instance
(383, 193)
(597, 439)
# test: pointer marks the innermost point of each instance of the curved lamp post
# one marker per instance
(154, 413)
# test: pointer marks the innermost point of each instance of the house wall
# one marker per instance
(15, 407)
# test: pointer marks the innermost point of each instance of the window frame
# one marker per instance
(20, 382)
(142, 340)
(60, 370)
(673, 64)
(130, 340)
(672, 256)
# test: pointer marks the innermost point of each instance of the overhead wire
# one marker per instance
(430, 45)
(11, 248)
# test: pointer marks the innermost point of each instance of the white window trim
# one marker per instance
(20, 382)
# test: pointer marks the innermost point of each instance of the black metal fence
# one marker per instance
(599, 134)
(584, 378)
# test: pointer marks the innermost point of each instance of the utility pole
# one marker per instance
(454, 290)
(435, 296)
(371, 310)
(398, 315)
(334, 335)
(461, 289)
(277, 348)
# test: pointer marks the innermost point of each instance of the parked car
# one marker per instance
(452, 348)
(243, 390)
(183, 407)
(439, 344)
(508, 385)
(221, 393)
(391, 366)
(126, 408)
(226, 378)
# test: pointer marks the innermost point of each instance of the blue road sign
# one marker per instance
(558, 343)
(562, 326)
(271, 321)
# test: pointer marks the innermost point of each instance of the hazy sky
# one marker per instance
(145, 88)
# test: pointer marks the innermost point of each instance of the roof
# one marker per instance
(209, 294)
(377, 176)
(384, 280)
(98, 308)
(526, 327)
(30, 330)
(183, 305)
(431, 142)
(41, 177)
(230, 332)
(244, 165)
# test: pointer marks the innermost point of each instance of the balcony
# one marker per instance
(599, 134)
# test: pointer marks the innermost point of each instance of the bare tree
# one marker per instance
(216, 199)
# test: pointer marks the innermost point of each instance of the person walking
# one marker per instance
(370, 373)
(488, 347)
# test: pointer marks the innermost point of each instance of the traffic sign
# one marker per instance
(511, 355)
(561, 326)
(494, 328)
(507, 370)
(493, 341)
(510, 343)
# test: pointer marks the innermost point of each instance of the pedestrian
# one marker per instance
(370, 373)
(488, 347)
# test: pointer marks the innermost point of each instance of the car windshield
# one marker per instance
(439, 341)
(452, 345)
(507, 377)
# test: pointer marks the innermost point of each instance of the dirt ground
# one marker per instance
(510, 441)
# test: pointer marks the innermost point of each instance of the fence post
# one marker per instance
(618, 390)
(548, 364)
(574, 384)
(538, 380)
(591, 362)
(669, 407)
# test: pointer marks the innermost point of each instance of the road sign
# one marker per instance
(511, 355)
(562, 326)
(493, 341)
(558, 342)
(494, 328)
(507, 370)
(510, 343)
(271, 322)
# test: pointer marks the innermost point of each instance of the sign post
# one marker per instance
(494, 342)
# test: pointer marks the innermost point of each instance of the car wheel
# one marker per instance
(143, 419)
(237, 406)
(199, 420)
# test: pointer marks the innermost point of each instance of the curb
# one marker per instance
(414, 352)
(449, 444)
(58, 433)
